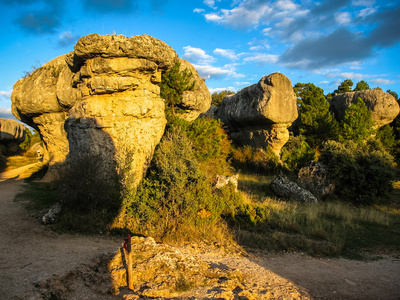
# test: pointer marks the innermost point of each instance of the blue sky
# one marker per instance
(232, 43)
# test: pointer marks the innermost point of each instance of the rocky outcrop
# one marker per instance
(12, 133)
(383, 106)
(103, 101)
(260, 114)
(290, 190)
(315, 179)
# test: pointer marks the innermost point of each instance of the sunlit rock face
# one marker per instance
(383, 106)
(12, 133)
(260, 114)
(102, 101)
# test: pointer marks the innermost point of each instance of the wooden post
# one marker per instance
(129, 262)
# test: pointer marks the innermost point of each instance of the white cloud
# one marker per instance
(285, 22)
(210, 3)
(324, 82)
(198, 10)
(366, 12)
(239, 83)
(6, 113)
(207, 71)
(197, 55)
(263, 58)
(381, 81)
(363, 2)
(213, 17)
(285, 5)
(5, 94)
(226, 53)
(67, 38)
(343, 18)
(267, 31)
(217, 90)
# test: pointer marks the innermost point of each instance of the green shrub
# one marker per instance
(89, 202)
(361, 173)
(176, 200)
(255, 160)
(296, 153)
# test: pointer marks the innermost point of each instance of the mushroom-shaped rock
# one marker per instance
(260, 114)
(383, 106)
(103, 101)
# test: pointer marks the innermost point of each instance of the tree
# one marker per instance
(344, 87)
(394, 94)
(216, 98)
(173, 83)
(357, 124)
(317, 123)
(362, 85)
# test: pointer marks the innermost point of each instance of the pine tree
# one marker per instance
(317, 122)
(344, 87)
(173, 83)
(357, 124)
(362, 85)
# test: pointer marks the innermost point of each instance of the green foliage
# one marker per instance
(253, 160)
(344, 87)
(176, 200)
(361, 173)
(296, 153)
(173, 83)
(209, 141)
(317, 123)
(89, 202)
(357, 124)
(30, 139)
(216, 98)
(361, 85)
(393, 93)
(387, 137)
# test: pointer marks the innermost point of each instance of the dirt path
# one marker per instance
(29, 254)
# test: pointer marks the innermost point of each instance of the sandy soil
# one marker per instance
(29, 253)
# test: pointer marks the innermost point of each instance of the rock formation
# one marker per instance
(383, 106)
(290, 190)
(103, 101)
(12, 133)
(314, 178)
(260, 114)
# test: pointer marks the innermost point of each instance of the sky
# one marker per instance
(231, 43)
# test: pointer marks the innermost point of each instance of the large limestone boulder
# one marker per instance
(102, 101)
(287, 189)
(12, 133)
(260, 114)
(383, 106)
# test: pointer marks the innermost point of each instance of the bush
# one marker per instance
(253, 160)
(361, 173)
(176, 200)
(297, 153)
(89, 202)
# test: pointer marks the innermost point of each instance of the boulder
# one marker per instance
(383, 106)
(315, 179)
(225, 180)
(260, 114)
(290, 190)
(12, 133)
(102, 100)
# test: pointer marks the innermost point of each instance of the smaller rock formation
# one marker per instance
(383, 106)
(260, 114)
(12, 133)
(52, 215)
(290, 190)
(314, 178)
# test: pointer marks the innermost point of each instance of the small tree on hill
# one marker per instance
(345, 86)
(362, 85)
(173, 83)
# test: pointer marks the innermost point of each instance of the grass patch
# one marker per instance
(14, 162)
(326, 228)
(37, 196)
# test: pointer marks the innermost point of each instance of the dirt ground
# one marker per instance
(29, 254)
